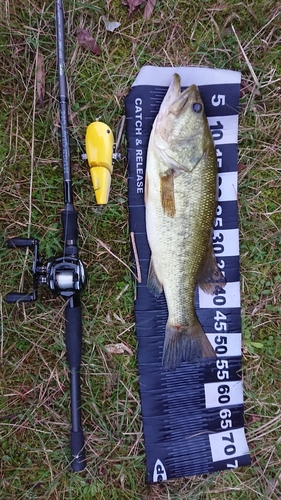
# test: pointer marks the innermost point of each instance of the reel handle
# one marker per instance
(20, 242)
(13, 297)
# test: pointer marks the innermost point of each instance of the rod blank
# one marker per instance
(73, 318)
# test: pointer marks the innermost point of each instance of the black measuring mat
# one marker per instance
(192, 416)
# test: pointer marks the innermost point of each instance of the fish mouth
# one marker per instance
(176, 101)
(189, 95)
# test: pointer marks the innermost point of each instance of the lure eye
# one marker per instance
(197, 107)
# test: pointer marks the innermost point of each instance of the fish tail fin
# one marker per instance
(185, 343)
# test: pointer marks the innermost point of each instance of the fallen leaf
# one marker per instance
(110, 25)
(40, 78)
(118, 349)
(252, 418)
(132, 4)
(150, 4)
(241, 166)
(87, 42)
(119, 318)
(247, 87)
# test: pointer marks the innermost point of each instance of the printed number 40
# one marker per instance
(218, 99)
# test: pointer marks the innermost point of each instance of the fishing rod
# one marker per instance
(65, 275)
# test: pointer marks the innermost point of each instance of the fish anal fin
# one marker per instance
(153, 283)
(210, 278)
(185, 343)
(168, 194)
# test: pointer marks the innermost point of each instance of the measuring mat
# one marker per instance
(192, 416)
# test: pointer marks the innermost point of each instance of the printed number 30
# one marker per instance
(218, 99)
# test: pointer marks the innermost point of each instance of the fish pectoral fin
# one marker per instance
(168, 193)
(153, 283)
(210, 278)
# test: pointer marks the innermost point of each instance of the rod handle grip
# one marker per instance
(77, 451)
(13, 297)
(20, 242)
(73, 330)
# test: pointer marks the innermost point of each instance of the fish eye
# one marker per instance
(197, 107)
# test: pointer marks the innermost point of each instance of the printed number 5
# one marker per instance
(218, 99)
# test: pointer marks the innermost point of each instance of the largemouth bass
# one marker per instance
(180, 199)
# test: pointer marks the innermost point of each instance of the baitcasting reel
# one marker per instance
(65, 276)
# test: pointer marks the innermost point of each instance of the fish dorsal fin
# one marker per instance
(210, 277)
(153, 283)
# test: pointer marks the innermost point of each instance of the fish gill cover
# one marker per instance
(193, 416)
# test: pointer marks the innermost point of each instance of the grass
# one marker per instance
(34, 418)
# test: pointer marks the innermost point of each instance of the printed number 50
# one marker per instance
(218, 99)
